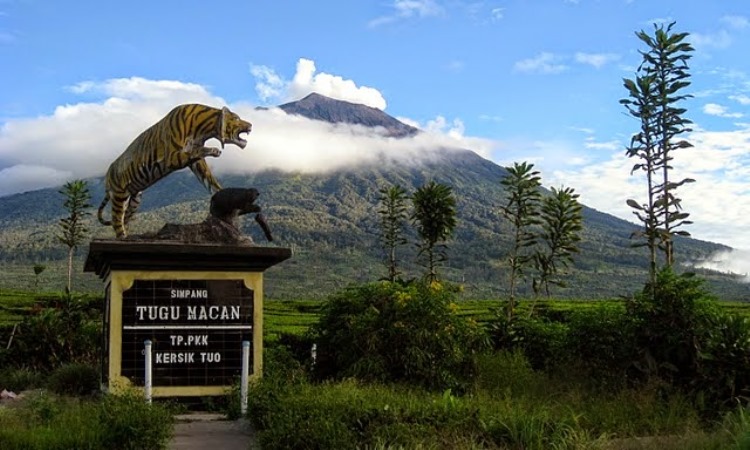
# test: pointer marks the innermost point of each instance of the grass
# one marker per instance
(48, 422)
(511, 407)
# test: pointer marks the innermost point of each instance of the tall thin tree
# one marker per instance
(392, 219)
(72, 229)
(522, 209)
(561, 224)
(666, 62)
(654, 95)
(434, 218)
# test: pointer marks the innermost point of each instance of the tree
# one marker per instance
(38, 269)
(654, 95)
(522, 209)
(72, 230)
(392, 218)
(561, 222)
(434, 218)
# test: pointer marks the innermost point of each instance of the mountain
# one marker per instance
(331, 223)
(326, 109)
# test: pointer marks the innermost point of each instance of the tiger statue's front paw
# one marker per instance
(211, 151)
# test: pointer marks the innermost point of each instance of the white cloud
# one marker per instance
(609, 145)
(406, 9)
(22, 178)
(597, 60)
(714, 109)
(736, 21)
(718, 202)
(497, 13)
(272, 87)
(742, 99)
(268, 84)
(80, 140)
(545, 62)
(718, 40)
(736, 262)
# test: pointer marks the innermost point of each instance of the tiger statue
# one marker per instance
(173, 143)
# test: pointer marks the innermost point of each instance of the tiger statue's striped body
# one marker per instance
(173, 143)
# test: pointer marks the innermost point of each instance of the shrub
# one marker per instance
(672, 320)
(354, 415)
(69, 330)
(601, 342)
(46, 422)
(75, 379)
(127, 422)
(725, 360)
(543, 342)
(18, 380)
(392, 332)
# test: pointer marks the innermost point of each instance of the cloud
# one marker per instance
(545, 63)
(81, 139)
(718, 202)
(497, 13)
(714, 109)
(271, 87)
(742, 99)
(406, 9)
(609, 145)
(736, 262)
(23, 178)
(719, 40)
(736, 21)
(659, 21)
(597, 60)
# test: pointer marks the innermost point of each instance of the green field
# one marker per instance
(296, 316)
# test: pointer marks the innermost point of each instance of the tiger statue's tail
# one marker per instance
(100, 213)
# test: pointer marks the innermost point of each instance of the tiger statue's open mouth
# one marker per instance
(232, 127)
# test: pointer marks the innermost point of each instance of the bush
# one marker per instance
(127, 422)
(725, 360)
(18, 380)
(354, 415)
(543, 342)
(392, 332)
(75, 379)
(601, 342)
(46, 422)
(671, 321)
(67, 331)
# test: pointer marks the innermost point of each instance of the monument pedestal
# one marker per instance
(196, 303)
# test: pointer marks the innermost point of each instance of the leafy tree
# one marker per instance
(561, 222)
(434, 218)
(522, 209)
(392, 218)
(72, 230)
(38, 269)
(654, 95)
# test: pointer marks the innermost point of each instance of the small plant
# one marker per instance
(561, 223)
(390, 332)
(434, 218)
(74, 379)
(392, 219)
(72, 230)
(522, 209)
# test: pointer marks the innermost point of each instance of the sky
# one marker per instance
(514, 80)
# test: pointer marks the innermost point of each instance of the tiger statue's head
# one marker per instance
(231, 128)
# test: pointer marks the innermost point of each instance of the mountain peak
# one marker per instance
(319, 107)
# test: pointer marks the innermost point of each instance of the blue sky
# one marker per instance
(515, 80)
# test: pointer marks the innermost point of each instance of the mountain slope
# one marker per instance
(331, 223)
